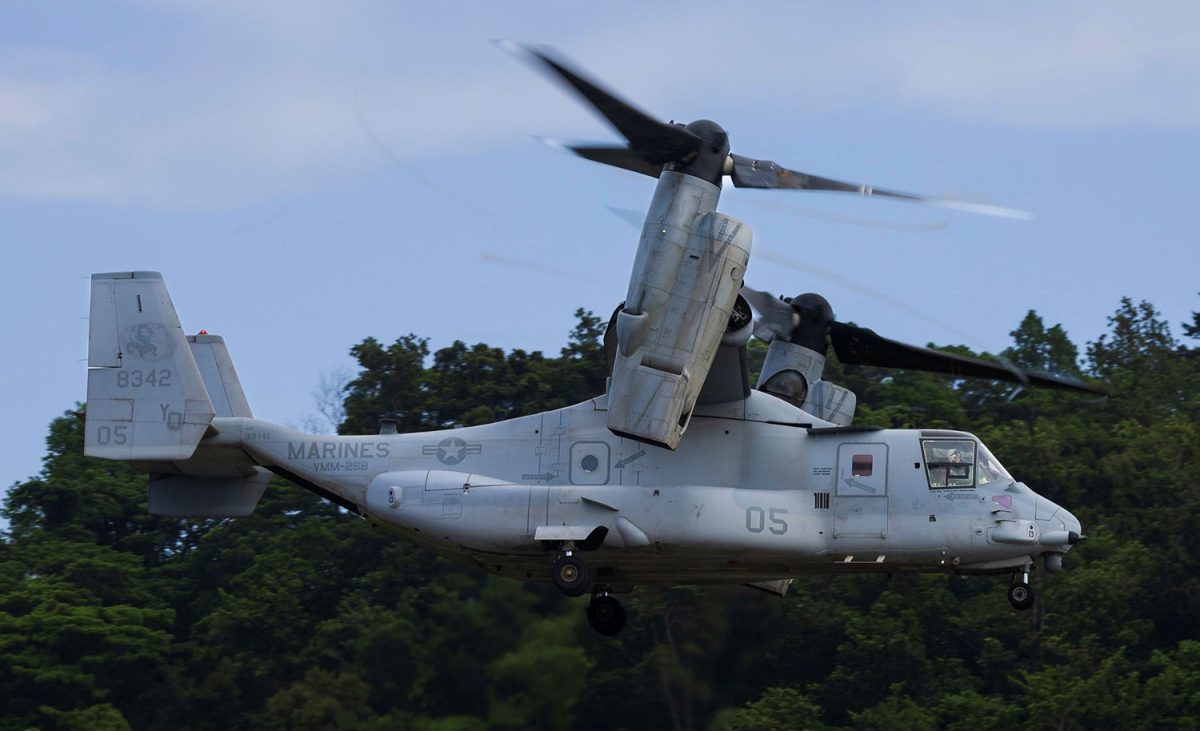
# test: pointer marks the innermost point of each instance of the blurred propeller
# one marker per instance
(776, 318)
(749, 173)
(654, 144)
(807, 320)
(862, 346)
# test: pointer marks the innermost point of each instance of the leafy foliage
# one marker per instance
(304, 616)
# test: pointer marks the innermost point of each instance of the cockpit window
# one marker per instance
(989, 468)
(950, 463)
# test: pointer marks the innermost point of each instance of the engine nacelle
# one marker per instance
(793, 373)
(684, 285)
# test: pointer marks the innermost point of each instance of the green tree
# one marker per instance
(538, 683)
(1141, 361)
(1044, 349)
(304, 615)
(779, 709)
(390, 383)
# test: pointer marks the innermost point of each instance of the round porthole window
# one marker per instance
(589, 463)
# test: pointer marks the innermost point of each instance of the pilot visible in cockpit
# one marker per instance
(949, 464)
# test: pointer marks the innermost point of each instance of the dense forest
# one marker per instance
(304, 616)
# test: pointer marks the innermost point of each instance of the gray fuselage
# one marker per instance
(759, 491)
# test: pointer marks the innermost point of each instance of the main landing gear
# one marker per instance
(1020, 595)
(573, 577)
(606, 615)
(571, 574)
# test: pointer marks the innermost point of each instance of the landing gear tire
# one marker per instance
(571, 575)
(1020, 596)
(606, 615)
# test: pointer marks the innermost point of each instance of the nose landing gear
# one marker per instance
(1020, 595)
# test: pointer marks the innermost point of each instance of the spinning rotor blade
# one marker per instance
(776, 319)
(615, 155)
(653, 144)
(654, 141)
(750, 173)
(862, 346)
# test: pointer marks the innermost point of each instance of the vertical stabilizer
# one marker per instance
(146, 399)
(220, 377)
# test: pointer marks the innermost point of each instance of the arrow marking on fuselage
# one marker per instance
(545, 476)
(636, 455)
(956, 495)
(850, 481)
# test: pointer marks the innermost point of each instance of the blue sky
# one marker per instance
(309, 174)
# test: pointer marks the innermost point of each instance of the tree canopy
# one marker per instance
(304, 616)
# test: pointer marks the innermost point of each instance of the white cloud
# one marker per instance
(1065, 65)
(262, 98)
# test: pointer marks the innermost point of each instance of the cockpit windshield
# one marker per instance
(990, 469)
(959, 463)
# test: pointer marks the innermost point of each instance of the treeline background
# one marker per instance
(304, 616)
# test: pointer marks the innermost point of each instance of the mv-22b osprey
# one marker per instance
(680, 473)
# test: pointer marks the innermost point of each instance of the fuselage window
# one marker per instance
(861, 465)
(949, 463)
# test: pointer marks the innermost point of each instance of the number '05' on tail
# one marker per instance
(146, 398)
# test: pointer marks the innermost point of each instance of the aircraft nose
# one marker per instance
(1060, 533)
(1059, 527)
(1070, 523)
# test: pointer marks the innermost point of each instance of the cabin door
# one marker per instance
(861, 495)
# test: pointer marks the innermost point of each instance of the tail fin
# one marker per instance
(152, 396)
(220, 378)
(146, 398)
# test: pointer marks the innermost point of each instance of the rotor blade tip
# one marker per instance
(554, 143)
(516, 48)
(628, 215)
(984, 209)
(528, 52)
(508, 46)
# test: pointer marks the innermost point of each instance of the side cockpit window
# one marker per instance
(949, 463)
(989, 468)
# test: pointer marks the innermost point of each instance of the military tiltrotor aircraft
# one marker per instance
(680, 473)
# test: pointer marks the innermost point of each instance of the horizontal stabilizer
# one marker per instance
(192, 496)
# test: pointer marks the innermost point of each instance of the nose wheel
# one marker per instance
(571, 574)
(606, 615)
(1020, 595)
